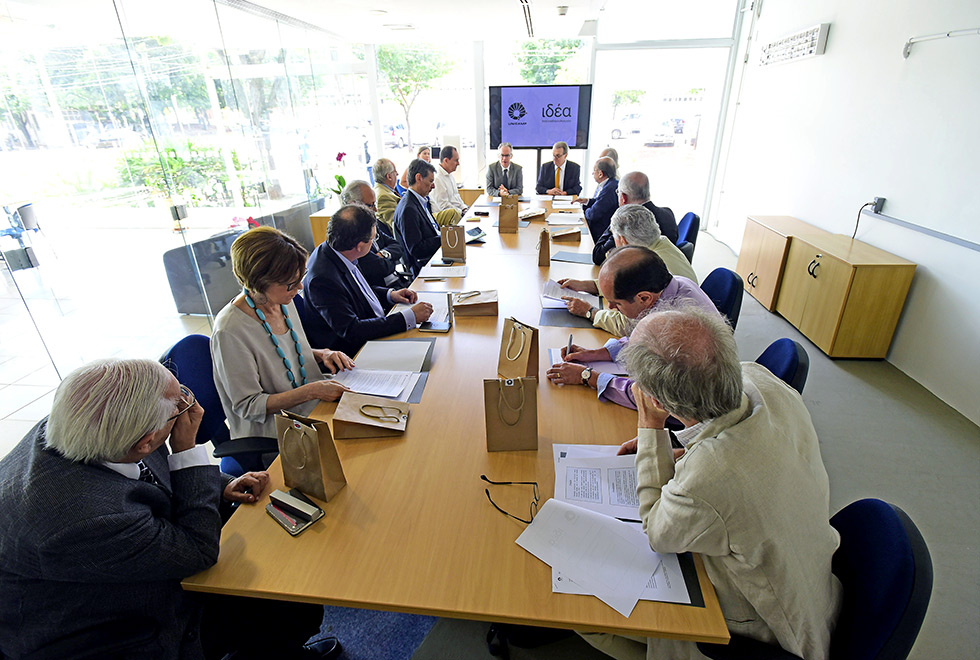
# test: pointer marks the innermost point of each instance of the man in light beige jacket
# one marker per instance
(750, 492)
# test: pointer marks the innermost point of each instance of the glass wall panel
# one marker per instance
(662, 123)
(646, 20)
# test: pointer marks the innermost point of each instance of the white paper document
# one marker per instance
(439, 301)
(554, 291)
(393, 355)
(600, 366)
(605, 484)
(602, 555)
(388, 384)
(666, 585)
(558, 205)
(563, 198)
(442, 271)
(565, 219)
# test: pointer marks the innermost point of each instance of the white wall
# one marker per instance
(817, 138)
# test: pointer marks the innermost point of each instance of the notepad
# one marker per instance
(442, 271)
(554, 291)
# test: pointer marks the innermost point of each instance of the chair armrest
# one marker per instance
(745, 648)
(240, 446)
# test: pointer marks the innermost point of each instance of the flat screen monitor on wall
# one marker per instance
(537, 116)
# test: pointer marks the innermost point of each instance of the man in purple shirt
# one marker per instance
(635, 281)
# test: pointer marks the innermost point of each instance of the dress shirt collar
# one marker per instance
(390, 188)
(369, 295)
(128, 470)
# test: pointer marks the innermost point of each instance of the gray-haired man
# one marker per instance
(99, 522)
(505, 177)
(750, 493)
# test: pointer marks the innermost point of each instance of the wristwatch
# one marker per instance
(589, 314)
(586, 375)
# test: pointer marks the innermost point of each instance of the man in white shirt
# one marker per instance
(445, 195)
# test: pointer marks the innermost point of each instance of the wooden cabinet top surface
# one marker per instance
(855, 252)
(788, 225)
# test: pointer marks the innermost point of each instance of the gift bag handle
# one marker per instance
(451, 231)
(502, 401)
(510, 341)
(384, 416)
(289, 455)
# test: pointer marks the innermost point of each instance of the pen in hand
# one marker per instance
(569, 350)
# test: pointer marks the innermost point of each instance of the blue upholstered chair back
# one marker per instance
(886, 571)
(788, 361)
(190, 361)
(688, 228)
(687, 249)
(724, 287)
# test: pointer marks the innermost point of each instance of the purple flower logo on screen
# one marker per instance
(516, 111)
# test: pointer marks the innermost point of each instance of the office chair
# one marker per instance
(113, 640)
(885, 570)
(190, 361)
(688, 227)
(724, 287)
(687, 249)
(788, 361)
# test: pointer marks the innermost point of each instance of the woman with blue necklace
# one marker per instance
(263, 362)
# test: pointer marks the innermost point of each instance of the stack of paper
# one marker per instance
(565, 219)
(551, 296)
(439, 301)
(565, 206)
(599, 554)
(432, 271)
(562, 198)
(389, 384)
(595, 478)
(390, 368)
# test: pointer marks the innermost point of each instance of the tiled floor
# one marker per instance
(75, 331)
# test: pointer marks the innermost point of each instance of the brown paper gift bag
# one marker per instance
(484, 303)
(544, 248)
(511, 407)
(507, 220)
(308, 456)
(518, 350)
(365, 416)
(454, 243)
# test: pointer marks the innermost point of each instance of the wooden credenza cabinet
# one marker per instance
(763, 254)
(844, 295)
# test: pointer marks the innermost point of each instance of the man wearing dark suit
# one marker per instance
(504, 176)
(346, 311)
(415, 227)
(378, 265)
(567, 181)
(598, 210)
(634, 188)
(99, 522)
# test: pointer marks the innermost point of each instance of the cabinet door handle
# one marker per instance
(809, 268)
(813, 271)
(755, 280)
(749, 279)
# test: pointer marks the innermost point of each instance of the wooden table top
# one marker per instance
(412, 531)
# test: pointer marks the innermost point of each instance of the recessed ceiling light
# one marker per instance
(399, 26)
(378, 12)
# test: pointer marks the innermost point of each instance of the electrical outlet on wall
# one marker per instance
(879, 203)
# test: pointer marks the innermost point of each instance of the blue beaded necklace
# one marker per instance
(275, 342)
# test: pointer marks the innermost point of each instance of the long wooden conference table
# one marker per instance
(413, 531)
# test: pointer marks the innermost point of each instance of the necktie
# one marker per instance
(505, 179)
(557, 177)
(147, 475)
